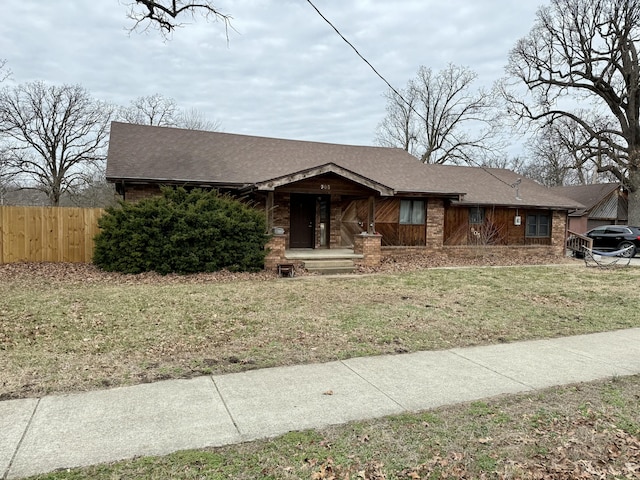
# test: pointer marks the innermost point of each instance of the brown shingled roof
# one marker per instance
(501, 187)
(161, 154)
(588, 195)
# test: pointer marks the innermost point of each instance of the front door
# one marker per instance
(303, 221)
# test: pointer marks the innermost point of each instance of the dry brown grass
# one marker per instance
(71, 328)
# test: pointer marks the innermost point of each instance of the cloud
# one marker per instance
(283, 71)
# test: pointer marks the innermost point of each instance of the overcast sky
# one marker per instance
(283, 73)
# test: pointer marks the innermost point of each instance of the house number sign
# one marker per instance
(325, 186)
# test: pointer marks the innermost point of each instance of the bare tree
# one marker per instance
(556, 157)
(95, 192)
(4, 71)
(6, 175)
(399, 128)
(515, 163)
(166, 15)
(194, 119)
(443, 120)
(153, 109)
(54, 133)
(163, 111)
(583, 52)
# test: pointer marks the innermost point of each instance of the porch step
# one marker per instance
(329, 266)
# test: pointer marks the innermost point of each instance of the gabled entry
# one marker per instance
(302, 221)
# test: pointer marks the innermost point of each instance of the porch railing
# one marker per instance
(576, 242)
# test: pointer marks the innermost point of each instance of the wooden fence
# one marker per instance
(47, 234)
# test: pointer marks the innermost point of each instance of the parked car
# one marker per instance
(615, 237)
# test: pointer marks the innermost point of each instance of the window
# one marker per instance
(599, 231)
(412, 212)
(476, 215)
(618, 231)
(538, 225)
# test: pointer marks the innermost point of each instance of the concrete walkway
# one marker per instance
(61, 431)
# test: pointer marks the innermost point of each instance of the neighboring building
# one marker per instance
(328, 196)
(604, 204)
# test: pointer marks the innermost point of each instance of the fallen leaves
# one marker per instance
(451, 465)
(330, 471)
(586, 445)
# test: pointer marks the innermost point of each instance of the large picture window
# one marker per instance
(412, 212)
(538, 225)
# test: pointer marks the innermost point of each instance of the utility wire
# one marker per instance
(396, 91)
(365, 60)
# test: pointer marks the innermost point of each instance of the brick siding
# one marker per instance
(275, 252)
(135, 193)
(370, 247)
(435, 223)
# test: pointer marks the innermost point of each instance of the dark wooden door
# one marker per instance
(303, 219)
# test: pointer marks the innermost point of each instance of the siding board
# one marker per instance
(498, 229)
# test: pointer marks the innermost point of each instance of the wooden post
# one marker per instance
(371, 221)
(269, 207)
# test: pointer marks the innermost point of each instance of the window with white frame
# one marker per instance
(412, 212)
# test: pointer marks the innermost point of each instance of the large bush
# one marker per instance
(182, 232)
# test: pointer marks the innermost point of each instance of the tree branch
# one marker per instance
(165, 14)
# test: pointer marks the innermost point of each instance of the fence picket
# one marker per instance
(47, 234)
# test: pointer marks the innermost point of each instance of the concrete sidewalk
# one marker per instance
(41, 435)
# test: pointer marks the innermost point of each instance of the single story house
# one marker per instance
(604, 204)
(375, 200)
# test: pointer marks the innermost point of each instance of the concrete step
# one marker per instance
(329, 266)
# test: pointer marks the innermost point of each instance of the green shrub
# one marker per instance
(182, 232)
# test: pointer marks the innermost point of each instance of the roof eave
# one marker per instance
(181, 182)
(273, 183)
(455, 196)
(523, 204)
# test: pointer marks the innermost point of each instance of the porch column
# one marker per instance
(558, 232)
(275, 252)
(269, 207)
(369, 246)
(435, 223)
(371, 220)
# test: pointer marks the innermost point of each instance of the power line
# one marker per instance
(365, 60)
(411, 107)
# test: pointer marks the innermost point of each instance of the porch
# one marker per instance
(366, 251)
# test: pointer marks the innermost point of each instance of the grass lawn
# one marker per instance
(66, 334)
(73, 334)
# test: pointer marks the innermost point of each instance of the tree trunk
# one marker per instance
(634, 197)
(634, 208)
